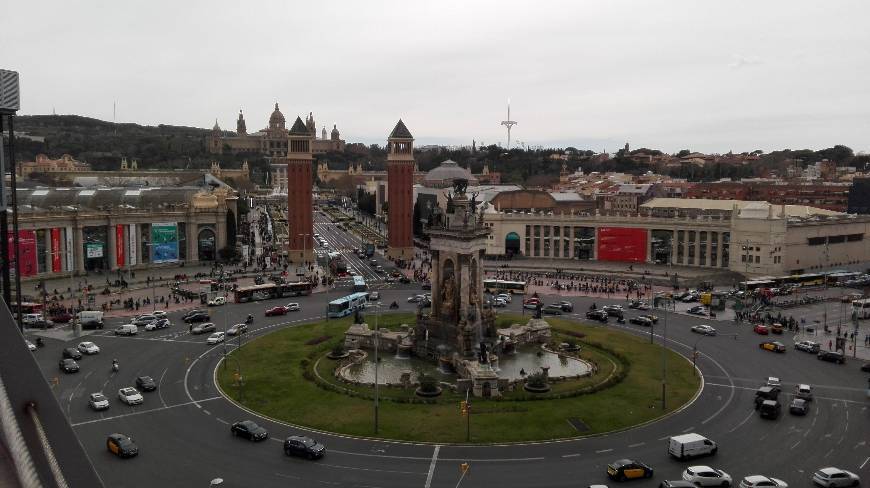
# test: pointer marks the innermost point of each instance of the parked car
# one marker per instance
(599, 315)
(122, 445)
(69, 365)
(832, 357)
(697, 310)
(799, 406)
(198, 317)
(98, 402)
(626, 469)
(130, 396)
(704, 329)
(774, 346)
(88, 348)
(760, 481)
(304, 447)
(835, 478)
(72, 353)
(808, 346)
(217, 301)
(203, 328)
(216, 338)
(641, 320)
(237, 329)
(706, 476)
(249, 430)
(279, 310)
(146, 383)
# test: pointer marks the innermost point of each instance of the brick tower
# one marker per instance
(400, 181)
(299, 203)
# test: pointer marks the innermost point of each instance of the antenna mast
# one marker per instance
(508, 123)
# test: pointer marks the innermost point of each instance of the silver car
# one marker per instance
(835, 478)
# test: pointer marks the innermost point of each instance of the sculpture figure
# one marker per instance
(459, 186)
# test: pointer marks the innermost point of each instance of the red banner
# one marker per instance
(119, 245)
(622, 244)
(26, 250)
(56, 265)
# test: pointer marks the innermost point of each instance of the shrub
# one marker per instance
(537, 380)
(428, 384)
(317, 340)
(338, 349)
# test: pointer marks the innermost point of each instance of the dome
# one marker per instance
(446, 173)
(334, 130)
(276, 120)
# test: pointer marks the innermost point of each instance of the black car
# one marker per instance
(249, 430)
(769, 409)
(426, 286)
(69, 366)
(613, 310)
(198, 317)
(193, 312)
(122, 445)
(832, 357)
(72, 353)
(766, 393)
(567, 307)
(599, 315)
(641, 321)
(626, 469)
(553, 309)
(304, 447)
(865, 367)
(145, 383)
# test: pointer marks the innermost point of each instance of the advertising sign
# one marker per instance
(93, 250)
(119, 245)
(134, 244)
(56, 261)
(68, 240)
(622, 244)
(26, 252)
(164, 242)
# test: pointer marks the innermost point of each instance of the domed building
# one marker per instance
(272, 141)
(443, 175)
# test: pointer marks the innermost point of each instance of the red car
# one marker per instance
(761, 329)
(60, 318)
(279, 310)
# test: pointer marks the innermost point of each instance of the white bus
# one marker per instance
(347, 305)
(503, 286)
(861, 308)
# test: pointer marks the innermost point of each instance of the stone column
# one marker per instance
(570, 243)
(48, 250)
(710, 262)
(697, 248)
(674, 245)
(79, 252)
(435, 279)
(595, 243)
(192, 230)
(221, 231)
(649, 245)
(464, 280)
(112, 250)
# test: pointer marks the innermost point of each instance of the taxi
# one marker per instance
(774, 346)
(122, 445)
(627, 469)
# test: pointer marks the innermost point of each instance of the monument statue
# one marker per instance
(483, 358)
(459, 186)
(448, 292)
(358, 317)
(473, 203)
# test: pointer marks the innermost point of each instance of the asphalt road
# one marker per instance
(183, 427)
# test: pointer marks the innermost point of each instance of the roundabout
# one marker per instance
(623, 391)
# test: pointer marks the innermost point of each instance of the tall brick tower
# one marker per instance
(400, 182)
(300, 220)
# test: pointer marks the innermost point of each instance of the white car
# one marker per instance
(704, 329)
(217, 301)
(216, 338)
(160, 314)
(98, 401)
(759, 481)
(293, 307)
(30, 345)
(505, 296)
(130, 396)
(773, 381)
(88, 348)
(835, 478)
(498, 302)
(706, 476)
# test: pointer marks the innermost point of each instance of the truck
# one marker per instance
(369, 248)
(691, 445)
(90, 319)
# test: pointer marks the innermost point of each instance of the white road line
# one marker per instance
(636, 445)
(140, 412)
(160, 387)
(688, 430)
(665, 437)
(795, 444)
(206, 412)
(743, 422)
(864, 463)
(432, 467)
(845, 401)
(603, 451)
(571, 455)
(222, 421)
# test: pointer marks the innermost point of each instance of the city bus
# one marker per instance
(840, 277)
(26, 308)
(861, 308)
(504, 286)
(268, 291)
(359, 284)
(345, 306)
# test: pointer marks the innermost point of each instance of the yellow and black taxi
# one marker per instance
(628, 469)
(122, 445)
(774, 346)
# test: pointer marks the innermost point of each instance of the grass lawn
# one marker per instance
(274, 385)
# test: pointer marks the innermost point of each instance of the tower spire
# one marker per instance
(508, 123)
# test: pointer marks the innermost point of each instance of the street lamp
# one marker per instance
(377, 344)
(304, 246)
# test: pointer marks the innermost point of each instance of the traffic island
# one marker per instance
(289, 377)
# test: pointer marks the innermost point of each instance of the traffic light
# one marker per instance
(463, 407)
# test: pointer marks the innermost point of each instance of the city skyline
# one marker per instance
(668, 76)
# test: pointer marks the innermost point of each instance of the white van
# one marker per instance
(127, 329)
(691, 445)
(32, 318)
(90, 319)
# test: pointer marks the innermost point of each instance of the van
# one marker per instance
(770, 409)
(90, 319)
(127, 329)
(691, 445)
(32, 319)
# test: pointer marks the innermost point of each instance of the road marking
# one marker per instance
(160, 387)
(665, 437)
(743, 422)
(815, 397)
(222, 421)
(570, 455)
(206, 412)
(829, 452)
(636, 445)
(140, 412)
(432, 467)
(287, 476)
(688, 430)
(795, 444)
(864, 463)
(603, 451)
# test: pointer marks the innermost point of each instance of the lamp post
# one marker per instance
(377, 345)
(304, 247)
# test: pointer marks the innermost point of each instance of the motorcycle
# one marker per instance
(40, 342)
(394, 306)
(620, 320)
(249, 320)
(115, 367)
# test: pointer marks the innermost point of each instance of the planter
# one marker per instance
(340, 356)
(536, 389)
(428, 394)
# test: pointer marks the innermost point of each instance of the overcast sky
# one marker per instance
(702, 75)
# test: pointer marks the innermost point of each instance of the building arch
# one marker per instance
(206, 244)
(512, 244)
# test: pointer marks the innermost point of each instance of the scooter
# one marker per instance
(620, 320)
(394, 306)
(249, 320)
(115, 367)
(40, 342)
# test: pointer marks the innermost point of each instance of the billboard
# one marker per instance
(93, 250)
(68, 240)
(119, 245)
(164, 242)
(622, 244)
(26, 252)
(56, 261)
(134, 243)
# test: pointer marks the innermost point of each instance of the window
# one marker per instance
(816, 241)
(836, 239)
(757, 259)
(855, 237)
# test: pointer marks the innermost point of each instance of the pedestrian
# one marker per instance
(829, 344)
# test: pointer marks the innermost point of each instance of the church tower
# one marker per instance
(310, 125)
(323, 133)
(334, 134)
(400, 181)
(215, 146)
(241, 129)
(299, 200)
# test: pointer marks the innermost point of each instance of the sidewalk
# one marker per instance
(861, 352)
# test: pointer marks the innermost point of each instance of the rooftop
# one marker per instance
(726, 205)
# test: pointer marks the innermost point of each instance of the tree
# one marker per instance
(683, 153)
